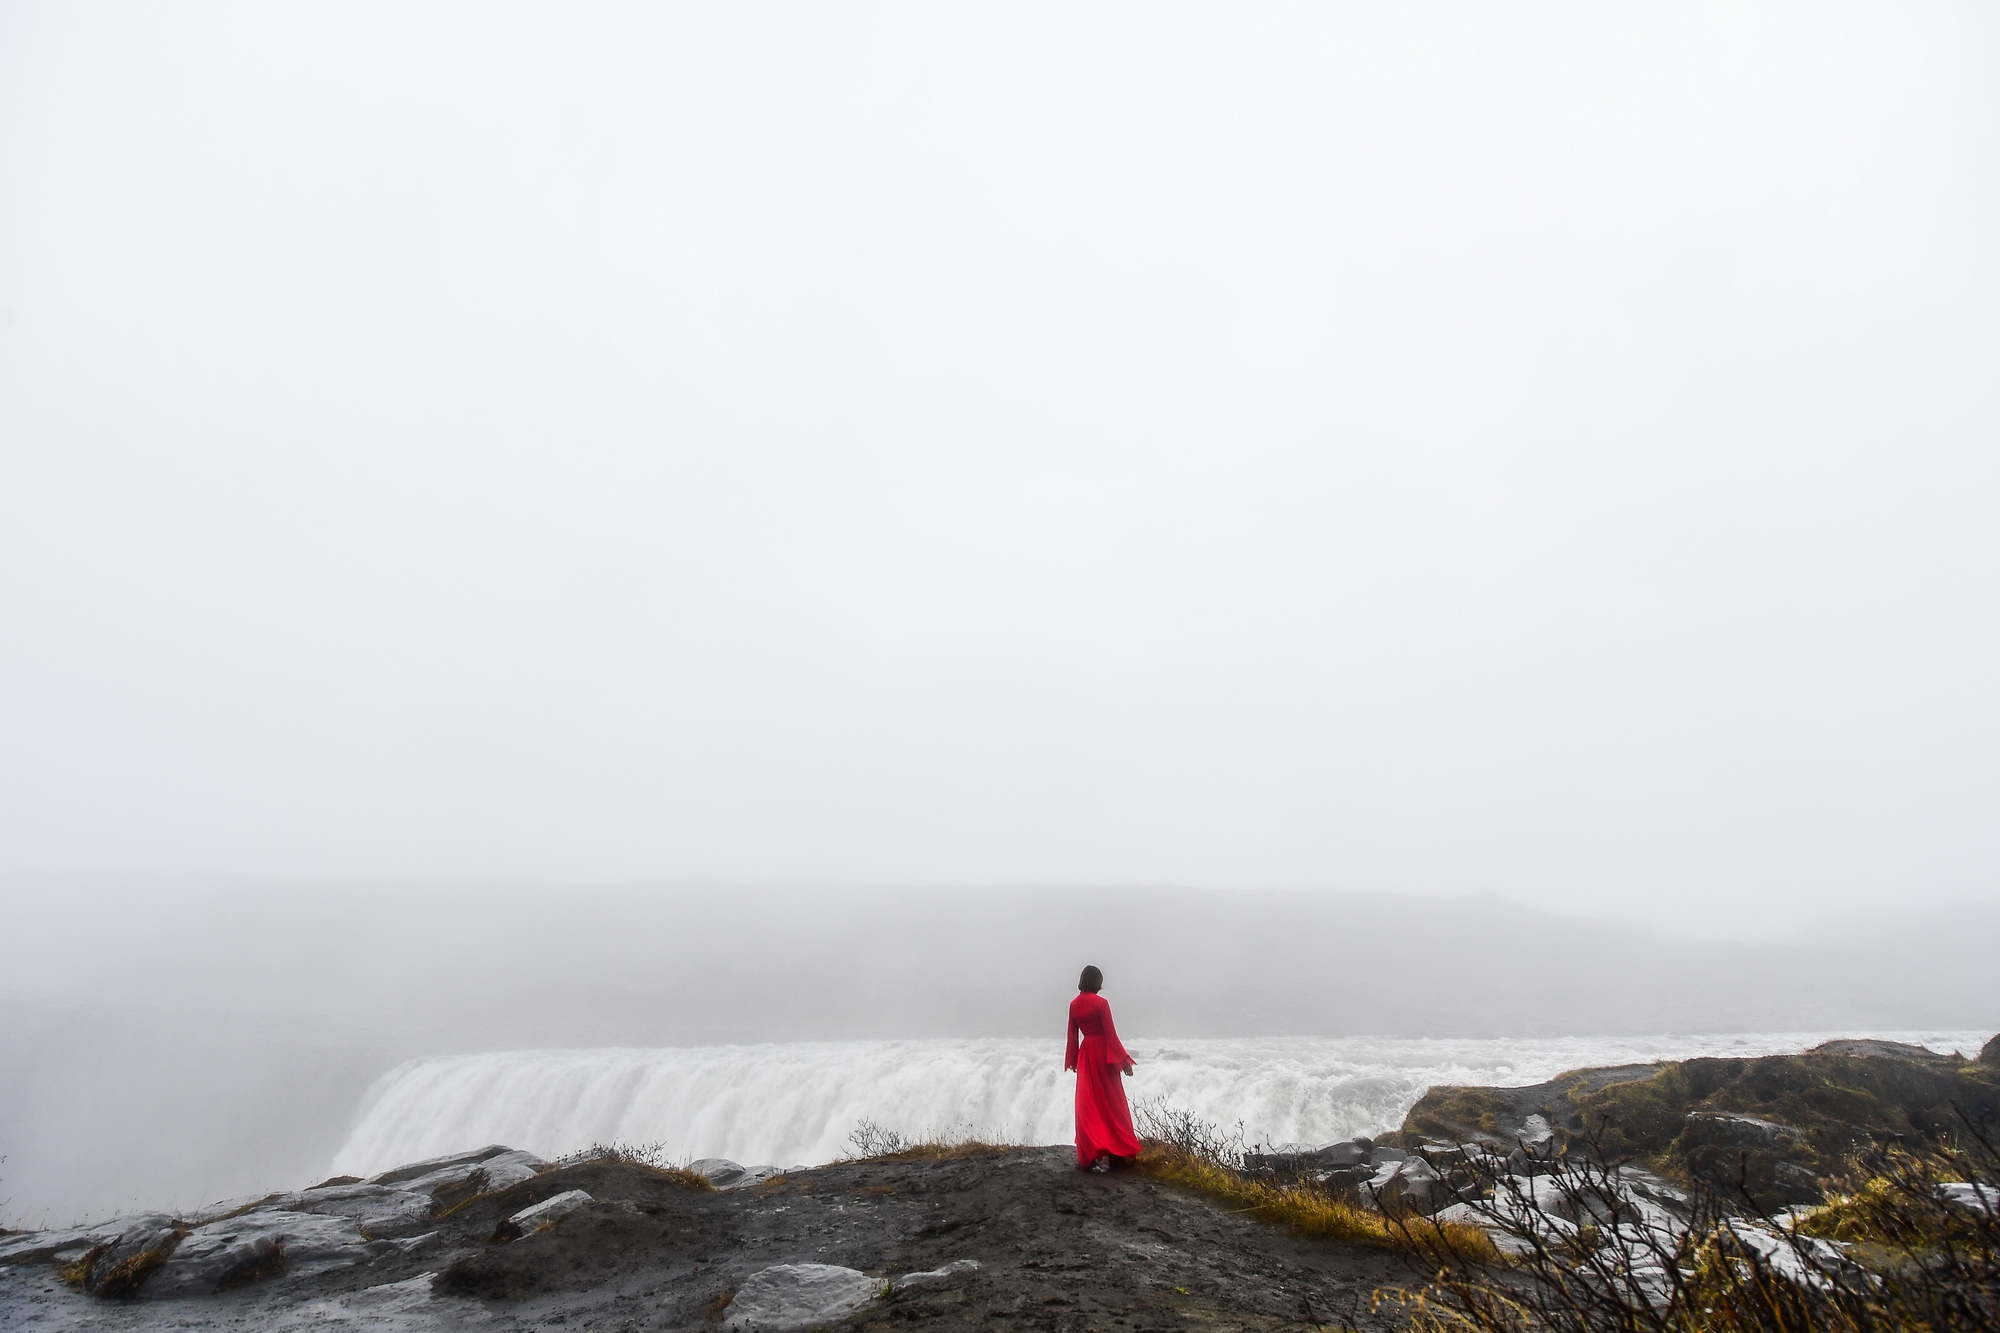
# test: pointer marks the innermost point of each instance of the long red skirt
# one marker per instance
(1103, 1120)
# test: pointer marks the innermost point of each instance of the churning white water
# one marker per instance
(797, 1102)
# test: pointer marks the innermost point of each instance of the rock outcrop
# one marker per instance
(1012, 1240)
(1774, 1126)
(341, 1223)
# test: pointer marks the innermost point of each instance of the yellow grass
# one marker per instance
(1306, 1208)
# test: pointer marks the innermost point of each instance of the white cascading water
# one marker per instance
(793, 1103)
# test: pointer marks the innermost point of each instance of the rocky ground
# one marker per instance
(1013, 1239)
(1775, 1127)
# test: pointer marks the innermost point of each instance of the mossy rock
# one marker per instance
(1770, 1127)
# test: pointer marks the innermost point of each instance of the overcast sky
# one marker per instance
(1544, 450)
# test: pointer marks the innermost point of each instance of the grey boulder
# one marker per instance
(1409, 1186)
(727, 1175)
(791, 1296)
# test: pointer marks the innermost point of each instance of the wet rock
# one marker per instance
(1409, 1186)
(379, 1209)
(1345, 1155)
(1478, 1215)
(120, 1266)
(727, 1175)
(1519, 1163)
(1730, 1122)
(1734, 1153)
(545, 1213)
(39, 1247)
(431, 1165)
(258, 1245)
(1739, 1131)
(1532, 1205)
(1662, 1204)
(1972, 1196)
(391, 1298)
(1289, 1159)
(933, 1277)
(1378, 1156)
(449, 1180)
(383, 1249)
(790, 1296)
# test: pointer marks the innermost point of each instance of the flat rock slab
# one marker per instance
(933, 1277)
(412, 1170)
(35, 1247)
(256, 1245)
(799, 1296)
(380, 1209)
(548, 1210)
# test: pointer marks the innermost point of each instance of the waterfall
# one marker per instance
(795, 1103)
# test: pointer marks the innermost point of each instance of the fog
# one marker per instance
(548, 525)
(171, 1044)
(1441, 450)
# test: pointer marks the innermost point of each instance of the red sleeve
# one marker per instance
(1069, 1054)
(1114, 1050)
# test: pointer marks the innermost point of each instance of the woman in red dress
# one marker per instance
(1103, 1121)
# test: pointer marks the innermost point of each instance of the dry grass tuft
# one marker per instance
(78, 1273)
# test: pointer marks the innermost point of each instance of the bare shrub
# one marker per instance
(653, 1157)
(1185, 1132)
(869, 1141)
(1583, 1254)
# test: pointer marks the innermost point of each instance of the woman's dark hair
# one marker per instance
(1092, 980)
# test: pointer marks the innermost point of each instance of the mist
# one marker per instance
(173, 1044)
(1444, 451)
(548, 527)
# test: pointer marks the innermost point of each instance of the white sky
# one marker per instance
(1413, 447)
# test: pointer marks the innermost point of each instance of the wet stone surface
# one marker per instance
(1055, 1249)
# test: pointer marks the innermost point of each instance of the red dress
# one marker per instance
(1103, 1120)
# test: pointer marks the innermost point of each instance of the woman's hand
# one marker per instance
(1126, 1069)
